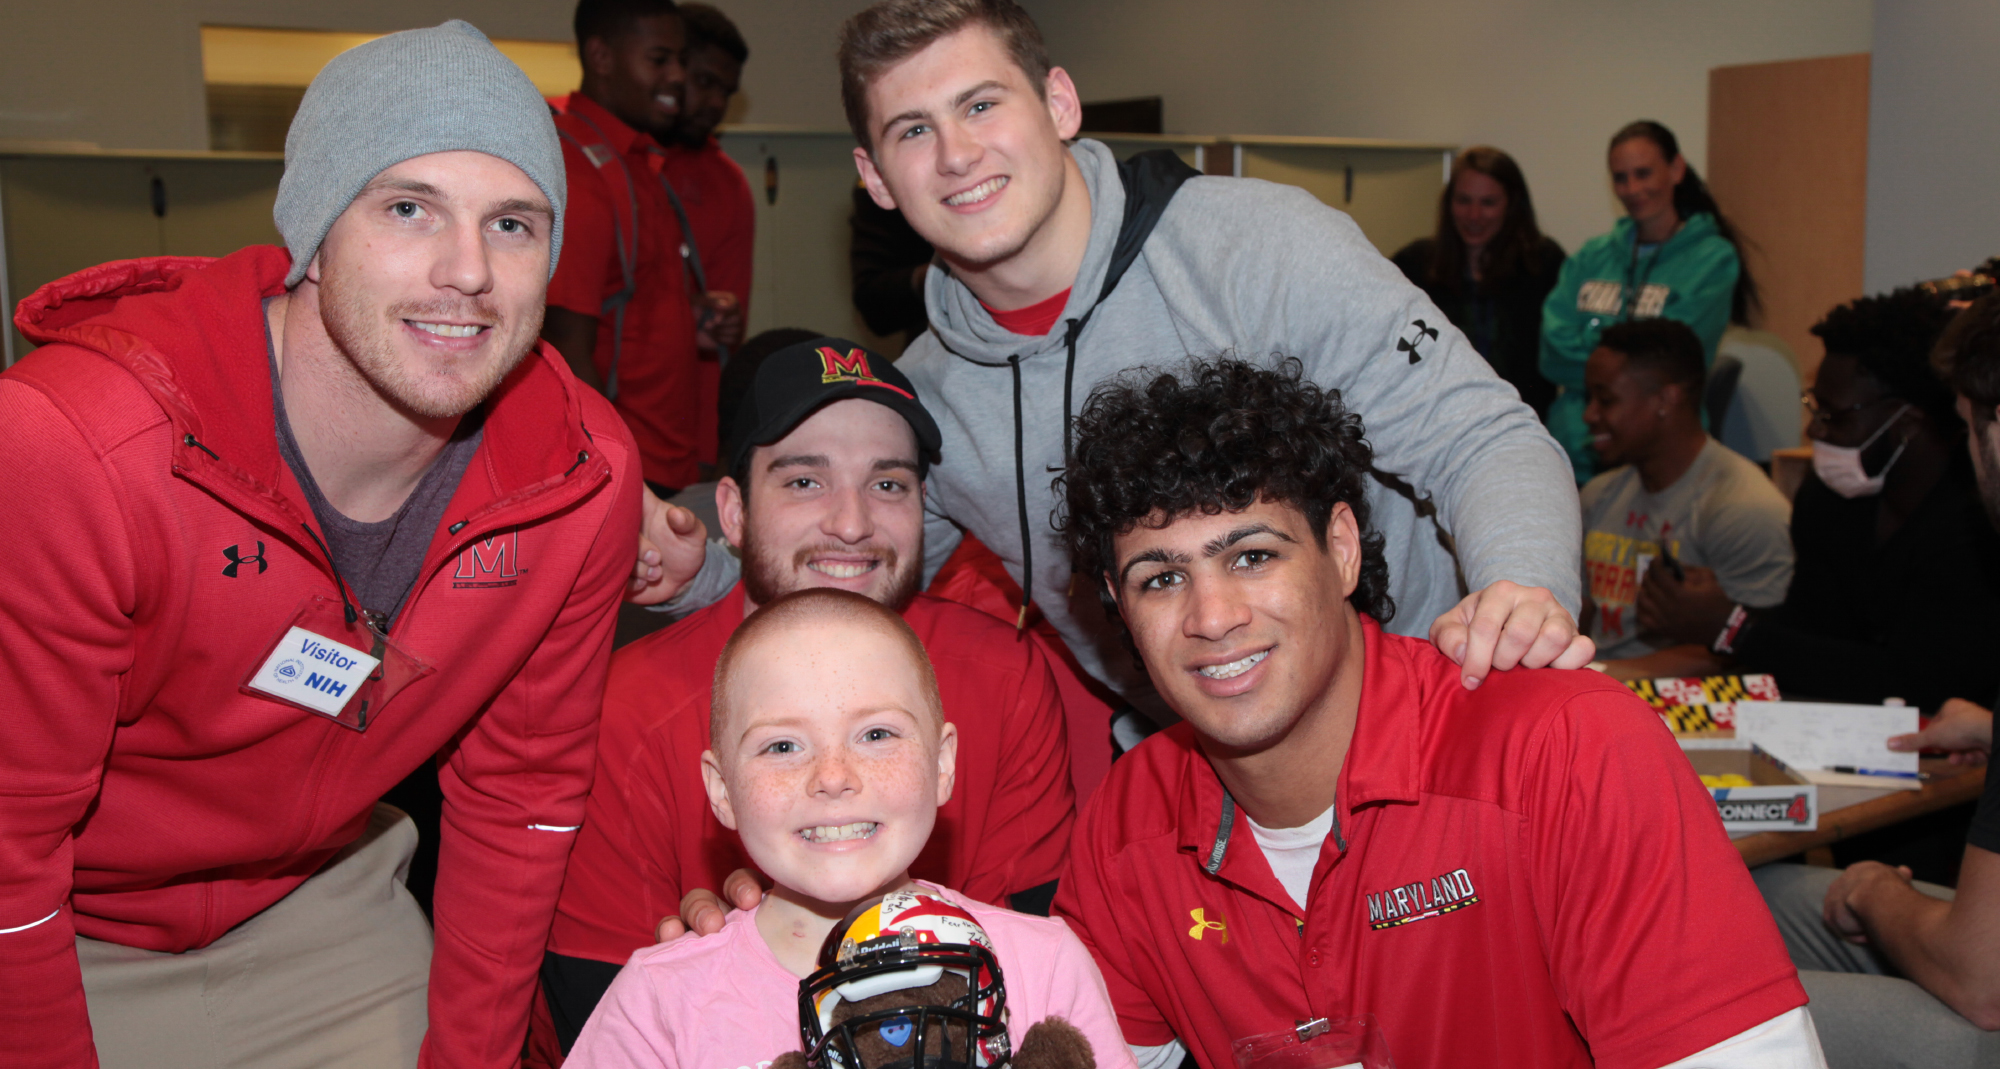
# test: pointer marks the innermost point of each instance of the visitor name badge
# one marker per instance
(314, 671)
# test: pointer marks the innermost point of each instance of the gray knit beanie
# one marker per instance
(402, 96)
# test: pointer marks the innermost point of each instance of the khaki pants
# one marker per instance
(1867, 1017)
(334, 974)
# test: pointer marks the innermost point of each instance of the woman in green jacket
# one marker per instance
(1672, 256)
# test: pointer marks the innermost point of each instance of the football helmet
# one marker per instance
(905, 941)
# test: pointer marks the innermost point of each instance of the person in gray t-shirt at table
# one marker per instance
(1678, 502)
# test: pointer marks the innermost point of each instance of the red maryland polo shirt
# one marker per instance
(1528, 874)
(648, 834)
(658, 387)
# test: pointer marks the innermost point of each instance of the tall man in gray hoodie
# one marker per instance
(1101, 268)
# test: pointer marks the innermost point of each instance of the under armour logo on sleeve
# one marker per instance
(237, 560)
(1412, 345)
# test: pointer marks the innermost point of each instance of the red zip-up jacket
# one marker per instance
(159, 545)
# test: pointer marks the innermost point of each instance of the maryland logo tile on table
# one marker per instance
(1693, 705)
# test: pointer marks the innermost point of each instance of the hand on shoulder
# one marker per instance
(1507, 625)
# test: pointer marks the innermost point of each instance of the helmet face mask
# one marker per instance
(906, 981)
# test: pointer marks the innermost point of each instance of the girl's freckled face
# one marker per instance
(832, 761)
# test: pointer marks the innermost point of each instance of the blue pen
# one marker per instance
(1852, 771)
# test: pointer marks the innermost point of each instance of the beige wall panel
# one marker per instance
(1394, 194)
(1788, 162)
(802, 277)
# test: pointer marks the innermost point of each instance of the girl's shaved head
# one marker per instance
(817, 615)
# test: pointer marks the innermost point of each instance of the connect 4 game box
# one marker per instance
(1703, 705)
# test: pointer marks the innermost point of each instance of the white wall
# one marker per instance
(127, 73)
(1546, 80)
(1933, 140)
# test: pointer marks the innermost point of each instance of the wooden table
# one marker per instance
(1845, 812)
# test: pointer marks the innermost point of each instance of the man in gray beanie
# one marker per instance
(308, 519)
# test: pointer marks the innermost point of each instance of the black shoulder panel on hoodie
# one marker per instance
(1150, 179)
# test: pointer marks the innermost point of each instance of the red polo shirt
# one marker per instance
(1528, 874)
(648, 835)
(724, 220)
(658, 383)
(976, 576)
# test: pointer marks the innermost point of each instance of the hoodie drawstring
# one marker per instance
(1069, 380)
(1150, 180)
(1021, 464)
(1021, 500)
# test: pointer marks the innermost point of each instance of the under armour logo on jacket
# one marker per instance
(1424, 332)
(237, 560)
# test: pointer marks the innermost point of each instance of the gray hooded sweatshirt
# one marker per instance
(1259, 271)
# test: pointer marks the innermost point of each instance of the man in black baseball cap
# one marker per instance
(798, 380)
(825, 454)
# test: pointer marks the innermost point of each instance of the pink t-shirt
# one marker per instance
(724, 1002)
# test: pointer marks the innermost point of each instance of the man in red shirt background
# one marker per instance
(722, 219)
(1524, 874)
(827, 455)
(619, 308)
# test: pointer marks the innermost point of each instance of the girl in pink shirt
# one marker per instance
(831, 755)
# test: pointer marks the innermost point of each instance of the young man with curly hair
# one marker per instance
(1524, 874)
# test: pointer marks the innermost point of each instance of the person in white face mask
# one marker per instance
(1896, 590)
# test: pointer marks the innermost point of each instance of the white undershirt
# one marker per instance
(1293, 853)
(1787, 1041)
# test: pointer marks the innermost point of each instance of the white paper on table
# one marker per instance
(1822, 735)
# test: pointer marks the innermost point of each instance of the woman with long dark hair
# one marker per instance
(1674, 256)
(1488, 267)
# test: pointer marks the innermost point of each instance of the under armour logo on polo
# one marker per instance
(1413, 344)
(237, 560)
(1203, 925)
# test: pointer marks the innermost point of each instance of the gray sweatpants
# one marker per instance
(333, 974)
(1867, 1017)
